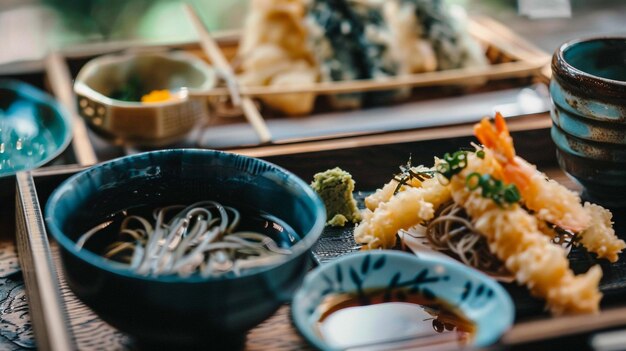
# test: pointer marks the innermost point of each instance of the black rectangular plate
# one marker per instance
(339, 241)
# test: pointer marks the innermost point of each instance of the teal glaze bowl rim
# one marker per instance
(599, 112)
(38, 95)
(304, 244)
(564, 72)
(562, 138)
(576, 125)
(489, 330)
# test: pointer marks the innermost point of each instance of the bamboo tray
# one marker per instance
(60, 322)
(510, 57)
(515, 62)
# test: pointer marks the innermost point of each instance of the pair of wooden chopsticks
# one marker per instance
(223, 68)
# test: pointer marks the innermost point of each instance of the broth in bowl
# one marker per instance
(205, 238)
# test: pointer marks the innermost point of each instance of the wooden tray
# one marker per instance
(61, 322)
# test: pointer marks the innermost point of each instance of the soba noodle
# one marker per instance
(200, 238)
(452, 232)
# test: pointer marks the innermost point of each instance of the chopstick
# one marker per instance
(544, 329)
(223, 68)
(61, 86)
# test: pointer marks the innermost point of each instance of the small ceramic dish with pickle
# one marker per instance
(380, 300)
(143, 98)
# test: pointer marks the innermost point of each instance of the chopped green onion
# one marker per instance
(493, 189)
(452, 164)
(473, 181)
(511, 194)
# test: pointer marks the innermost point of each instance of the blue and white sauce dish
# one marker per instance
(480, 300)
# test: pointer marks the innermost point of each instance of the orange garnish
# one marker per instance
(157, 96)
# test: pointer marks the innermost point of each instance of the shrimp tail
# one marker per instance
(496, 136)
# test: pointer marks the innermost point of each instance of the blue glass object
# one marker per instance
(34, 128)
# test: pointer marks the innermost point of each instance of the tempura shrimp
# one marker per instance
(514, 237)
(600, 237)
(403, 210)
(549, 200)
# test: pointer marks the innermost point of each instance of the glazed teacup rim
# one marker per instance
(560, 54)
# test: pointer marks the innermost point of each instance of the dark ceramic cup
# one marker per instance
(588, 89)
(172, 311)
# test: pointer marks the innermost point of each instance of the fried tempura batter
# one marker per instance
(513, 236)
(404, 210)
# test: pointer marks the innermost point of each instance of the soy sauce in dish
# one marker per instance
(380, 319)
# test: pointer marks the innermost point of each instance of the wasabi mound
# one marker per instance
(335, 187)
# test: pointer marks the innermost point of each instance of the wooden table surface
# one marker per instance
(276, 333)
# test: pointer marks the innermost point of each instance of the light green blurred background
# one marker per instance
(70, 22)
(151, 20)
(30, 28)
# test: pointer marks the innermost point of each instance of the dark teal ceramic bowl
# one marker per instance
(34, 128)
(588, 89)
(171, 309)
